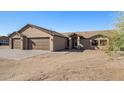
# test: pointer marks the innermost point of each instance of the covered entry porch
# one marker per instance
(74, 41)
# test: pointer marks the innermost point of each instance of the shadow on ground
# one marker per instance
(71, 50)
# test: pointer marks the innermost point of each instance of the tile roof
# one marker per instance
(89, 34)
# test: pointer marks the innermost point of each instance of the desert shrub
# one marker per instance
(116, 41)
(116, 38)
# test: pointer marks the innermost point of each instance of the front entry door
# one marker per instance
(74, 42)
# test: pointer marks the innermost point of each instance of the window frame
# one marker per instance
(104, 42)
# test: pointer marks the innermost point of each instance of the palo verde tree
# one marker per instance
(117, 37)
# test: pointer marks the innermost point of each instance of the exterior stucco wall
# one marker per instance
(59, 43)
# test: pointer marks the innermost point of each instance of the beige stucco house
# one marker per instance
(35, 37)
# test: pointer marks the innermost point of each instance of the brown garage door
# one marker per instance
(39, 43)
(16, 43)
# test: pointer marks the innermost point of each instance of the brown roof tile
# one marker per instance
(89, 34)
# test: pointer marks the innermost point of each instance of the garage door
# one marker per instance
(16, 43)
(39, 43)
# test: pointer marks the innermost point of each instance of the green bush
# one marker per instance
(117, 37)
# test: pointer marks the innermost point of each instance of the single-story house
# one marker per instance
(35, 37)
(4, 40)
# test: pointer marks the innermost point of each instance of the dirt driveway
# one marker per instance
(16, 54)
(86, 65)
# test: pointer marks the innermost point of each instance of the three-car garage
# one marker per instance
(33, 43)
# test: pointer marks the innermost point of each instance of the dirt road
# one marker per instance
(86, 65)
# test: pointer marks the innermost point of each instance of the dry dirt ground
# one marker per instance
(86, 65)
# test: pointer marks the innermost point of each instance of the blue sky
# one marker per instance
(59, 21)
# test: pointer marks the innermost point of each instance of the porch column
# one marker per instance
(98, 42)
(70, 43)
(52, 44)
(78, 42)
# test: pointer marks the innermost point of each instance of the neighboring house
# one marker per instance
(35, 37)
(4, 40)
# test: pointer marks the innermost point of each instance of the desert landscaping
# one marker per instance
(64, 65)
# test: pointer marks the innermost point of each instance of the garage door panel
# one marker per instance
(39, 43)
(16, 43)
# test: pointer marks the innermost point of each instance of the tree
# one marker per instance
(117, 37)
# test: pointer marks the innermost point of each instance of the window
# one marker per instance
(4, 42)
(103, 42)
(94, 42)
